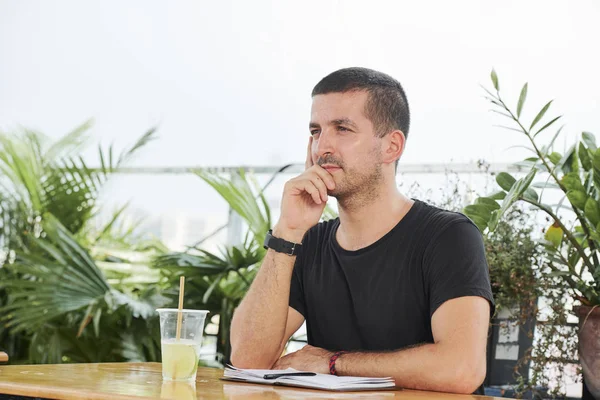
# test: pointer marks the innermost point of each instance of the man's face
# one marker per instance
(344, 142)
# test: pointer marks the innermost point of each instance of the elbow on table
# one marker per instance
(468, 379)
(249, 361)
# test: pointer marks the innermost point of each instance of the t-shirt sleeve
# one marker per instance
(297, 288)
(455, 266)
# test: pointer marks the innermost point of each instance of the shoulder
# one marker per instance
(439, 224)
(438, 218)
(321, 232)
(316, 240)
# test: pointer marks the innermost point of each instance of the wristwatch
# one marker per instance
(281, 245)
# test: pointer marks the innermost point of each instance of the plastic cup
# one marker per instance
(176, 390)
(180, 356)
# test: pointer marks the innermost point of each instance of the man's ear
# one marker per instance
(394, 146)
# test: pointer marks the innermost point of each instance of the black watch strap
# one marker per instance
(281, 245)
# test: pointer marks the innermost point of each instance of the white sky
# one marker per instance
(229, 81)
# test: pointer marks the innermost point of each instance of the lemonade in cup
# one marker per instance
(180, 350)
(178, 390)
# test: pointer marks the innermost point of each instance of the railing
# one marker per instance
(425, 168)
(233, 225)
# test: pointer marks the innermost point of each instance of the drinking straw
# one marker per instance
(179, 314)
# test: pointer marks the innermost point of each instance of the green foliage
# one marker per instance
(240, 196)
(519, 279)
(61, 299)
(512, 256)
(57, 276)
(563, 264)
(571, 252)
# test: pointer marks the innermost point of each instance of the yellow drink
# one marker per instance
(181, 338)
(179, 359)
(178, 390)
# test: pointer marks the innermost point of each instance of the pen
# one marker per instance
(275, 376)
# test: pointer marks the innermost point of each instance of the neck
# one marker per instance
(366, 219)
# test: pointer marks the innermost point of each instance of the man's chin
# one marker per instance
(336, 194)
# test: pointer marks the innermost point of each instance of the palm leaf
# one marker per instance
(70, 193)
(60, 279)
(141, 142)
(204, 263)
(71, 188)
(140, 343)
(142, 306)
(54, 180)
(241, 198)
(46, 346)
(21, 169)
(70, 143)
(110, 225)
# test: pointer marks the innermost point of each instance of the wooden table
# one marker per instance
(144, 381)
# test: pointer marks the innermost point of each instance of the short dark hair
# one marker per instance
(386, 107)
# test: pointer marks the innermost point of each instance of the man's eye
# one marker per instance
(314, 131)
(341, 128)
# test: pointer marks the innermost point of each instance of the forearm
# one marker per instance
(259, 322)
(425, 367)
(258, 325)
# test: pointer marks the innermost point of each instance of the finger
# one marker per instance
(325, 176)
(309, 163)
(318, 182)
(311, 189)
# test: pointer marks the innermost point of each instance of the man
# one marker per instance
(394, 286)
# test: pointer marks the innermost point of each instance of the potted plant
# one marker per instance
(572, 237)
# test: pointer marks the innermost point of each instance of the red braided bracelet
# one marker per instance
(332, 361)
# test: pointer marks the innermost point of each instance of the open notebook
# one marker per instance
(314, 381)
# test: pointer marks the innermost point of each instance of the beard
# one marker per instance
(357, 185)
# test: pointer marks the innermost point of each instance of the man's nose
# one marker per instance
(325, 143)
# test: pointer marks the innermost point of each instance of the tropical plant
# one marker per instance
(567, 197)
(572, 239)
(56, 303)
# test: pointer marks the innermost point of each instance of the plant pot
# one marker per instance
(589, 347)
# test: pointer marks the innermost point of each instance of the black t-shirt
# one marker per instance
(382, 297)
